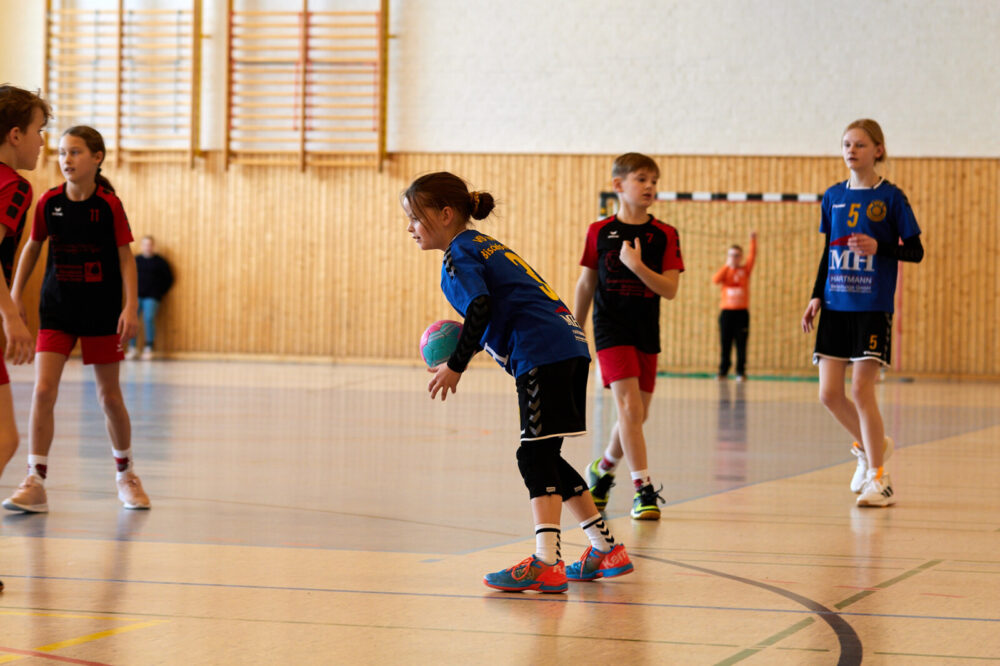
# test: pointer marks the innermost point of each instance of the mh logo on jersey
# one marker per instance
(843, 259)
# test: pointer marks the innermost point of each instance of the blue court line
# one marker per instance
(494, 596)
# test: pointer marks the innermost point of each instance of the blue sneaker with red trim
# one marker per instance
(598, 564)
(529, 574)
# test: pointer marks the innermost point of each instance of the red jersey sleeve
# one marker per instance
(15, 197)
(123, 232)
(39, 229)
(589, 259)
(672, 260)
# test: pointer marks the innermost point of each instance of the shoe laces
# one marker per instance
(651, 495)
(521, 570)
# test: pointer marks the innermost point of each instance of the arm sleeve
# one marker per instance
(720, 275)
(167, 275)
(824, 267)
(751, 256)
(589, 259)
(477, 318)
(39, 229)
(123, 232)
(911, 249)
(15, 197)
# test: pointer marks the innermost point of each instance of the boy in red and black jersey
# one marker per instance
(23, 115)
(630, 261)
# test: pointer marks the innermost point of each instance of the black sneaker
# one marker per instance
(646, 503)
(600, 483)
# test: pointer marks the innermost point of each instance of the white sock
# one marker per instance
(38, 467)
(548, 542)
(641, 478)
(599, 533)
(608, 459)
(123, 461)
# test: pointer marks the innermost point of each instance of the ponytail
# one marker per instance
(102, 181)
(441, 189)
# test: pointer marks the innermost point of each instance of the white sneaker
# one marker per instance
(147, 354)
(861, 471)
(876, 492)
(131, 494)
(132, 354)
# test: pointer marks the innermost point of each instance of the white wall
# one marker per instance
(694, 76)
(750, 77)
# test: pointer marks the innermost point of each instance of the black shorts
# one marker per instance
(553, 399)
(854, 336)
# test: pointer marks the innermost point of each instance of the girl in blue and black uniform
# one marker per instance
(863, 218)
(512, 314)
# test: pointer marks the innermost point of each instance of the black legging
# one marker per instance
(734, 326)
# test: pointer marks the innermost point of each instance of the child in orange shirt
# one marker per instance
(734, 319)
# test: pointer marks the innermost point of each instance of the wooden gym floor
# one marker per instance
(332, 514)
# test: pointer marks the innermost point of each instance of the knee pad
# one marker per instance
(571, 483)
(538, 462)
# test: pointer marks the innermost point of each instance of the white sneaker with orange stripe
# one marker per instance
(877, 490)
(861, 471)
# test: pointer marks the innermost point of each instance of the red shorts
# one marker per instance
(97, 349)
(4, 378)
(624, 362)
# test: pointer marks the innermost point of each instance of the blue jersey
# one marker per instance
(529, 326)
(857, 283)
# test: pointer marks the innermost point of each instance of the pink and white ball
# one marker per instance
(439, 341)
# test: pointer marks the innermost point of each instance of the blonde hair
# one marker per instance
(874, 132)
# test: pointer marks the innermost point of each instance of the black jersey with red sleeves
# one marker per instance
(626, 311)
(15, 199)
(82, 288)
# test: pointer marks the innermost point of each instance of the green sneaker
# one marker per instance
(645, 504)
(600, 483)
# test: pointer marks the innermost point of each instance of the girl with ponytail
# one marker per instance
(90, 294)
(511, 313)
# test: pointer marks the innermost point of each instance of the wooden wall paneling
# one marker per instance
(274, 262)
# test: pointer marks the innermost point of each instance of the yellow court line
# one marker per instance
(52, 647)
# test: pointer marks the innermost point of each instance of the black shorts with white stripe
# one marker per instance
(553, 399)
(854, 336)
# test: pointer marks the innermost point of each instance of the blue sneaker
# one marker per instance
(529, 574)
(598, 564)
(600, 483)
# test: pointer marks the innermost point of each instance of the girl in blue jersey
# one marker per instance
(863, 218)
(512, 314)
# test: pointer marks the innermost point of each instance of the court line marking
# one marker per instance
(69, 615)
(80, 640)
(850, 643)
(935, 656)
(845, 657)
(24, 654)
(494, 596)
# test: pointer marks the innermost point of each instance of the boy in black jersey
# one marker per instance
(629, 262)
(23, 114)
